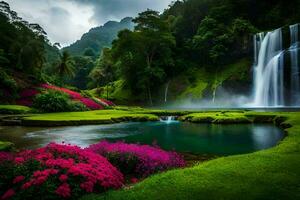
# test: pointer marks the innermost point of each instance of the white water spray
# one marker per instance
(268, 70)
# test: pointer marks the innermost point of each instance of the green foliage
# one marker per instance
(6, 146)
(65, 67)
(83, 66)
(51, 101)
(76, 106)
(22, 43)
(54, 101)
(145, 55)
(8, 87)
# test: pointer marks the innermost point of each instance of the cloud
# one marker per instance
(66, 20)
(105, 10)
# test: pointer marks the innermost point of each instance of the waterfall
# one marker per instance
(268, 69)
(295, 87)
(166, 92)
(169, 119)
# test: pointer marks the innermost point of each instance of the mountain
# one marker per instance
(99, 37)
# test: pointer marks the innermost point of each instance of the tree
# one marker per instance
(145, 55)
(104, 72)
(65, 67)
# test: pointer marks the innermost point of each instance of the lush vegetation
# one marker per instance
(192, 48)
(67, 172)
(55, 172)
(268, 174)
(138, 160)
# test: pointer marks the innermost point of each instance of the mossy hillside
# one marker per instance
(14, 109)
(194, 84)
(116, 92)
(84, 118)
(269, 174)
(198, 83)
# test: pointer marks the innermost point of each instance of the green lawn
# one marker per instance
(14, 109)
(89, 117)
(268, 174)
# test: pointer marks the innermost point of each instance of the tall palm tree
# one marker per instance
(65, 66)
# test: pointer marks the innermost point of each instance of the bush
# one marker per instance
(139, 160)
(52, 101)
(77, 106)
(56, 172)
(8, 87)
(89, 103)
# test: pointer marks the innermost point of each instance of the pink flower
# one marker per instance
(8, 194)
(63, 178)
(64, 190)
(5, 156)
(150, 159)
(18, 179)
(19, 160)
(58, 163)
(27, 185)
(76, 96)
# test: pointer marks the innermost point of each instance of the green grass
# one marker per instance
(267, 174)
(89, 117)
(14, 109)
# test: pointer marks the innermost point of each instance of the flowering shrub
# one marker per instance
(26, 96)
(76, 96)
(141, 160)
(56, 172)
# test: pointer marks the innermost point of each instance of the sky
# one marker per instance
(66, 20)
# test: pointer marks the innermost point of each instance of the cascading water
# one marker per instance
(268, 79)
(294, 48)
(166, 92)
(269, 55)
(169, 119)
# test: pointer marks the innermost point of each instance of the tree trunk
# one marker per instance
(149, 95)
(107, 91)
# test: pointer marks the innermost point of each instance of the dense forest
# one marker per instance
(192, 47)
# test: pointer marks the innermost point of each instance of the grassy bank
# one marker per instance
(85, 118)
(268, 174)
(14, 109)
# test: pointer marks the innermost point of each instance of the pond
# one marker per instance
(179, 136)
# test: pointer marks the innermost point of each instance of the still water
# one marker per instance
(179, 136)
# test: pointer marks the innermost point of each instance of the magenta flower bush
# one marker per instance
(91, 104)
(140, 160)
(56, 172)
(26, 97)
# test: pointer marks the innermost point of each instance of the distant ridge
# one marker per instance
(99, 37)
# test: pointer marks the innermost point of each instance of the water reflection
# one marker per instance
(184, 137)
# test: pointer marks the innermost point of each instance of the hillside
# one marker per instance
(99, 37)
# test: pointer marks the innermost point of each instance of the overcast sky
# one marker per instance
(66, 20)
